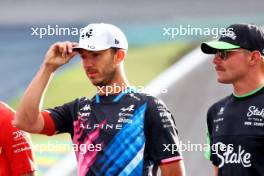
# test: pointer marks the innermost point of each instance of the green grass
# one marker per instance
(142, 65)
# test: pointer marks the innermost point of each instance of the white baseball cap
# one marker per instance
(101, 36)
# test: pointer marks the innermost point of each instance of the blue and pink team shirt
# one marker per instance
(122, 134)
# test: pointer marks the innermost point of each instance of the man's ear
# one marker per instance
(255, 58)
(120, 56)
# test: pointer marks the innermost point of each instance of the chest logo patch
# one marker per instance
(254, 111)
(125, 114)
(255, 117)
(84, 112)
(221, 111)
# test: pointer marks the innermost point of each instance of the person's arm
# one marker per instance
(161, 131)
(28, 116)
(16, 145)
(174, 168)
(29, 174)
(208, 154)
(215, 171)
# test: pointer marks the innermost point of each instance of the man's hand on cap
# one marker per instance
(59, 54)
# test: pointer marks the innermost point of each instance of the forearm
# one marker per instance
(29, 174)
(174, 168)
(28, 116)
(215, 171)
(31, 102)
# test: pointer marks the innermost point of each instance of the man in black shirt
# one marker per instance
(236, 122)
(117, 132)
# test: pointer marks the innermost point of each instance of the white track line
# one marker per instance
(176, 72)
(64, 167)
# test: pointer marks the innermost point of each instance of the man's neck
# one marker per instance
(244, 88)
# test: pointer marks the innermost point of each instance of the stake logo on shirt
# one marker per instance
(227, 155)
(254, 111)
(255, 117)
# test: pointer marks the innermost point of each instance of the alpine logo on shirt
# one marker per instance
(125, 114)
(124, 117)
(227, 155)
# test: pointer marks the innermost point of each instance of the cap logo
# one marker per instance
(230, 34)
(116, 41)
(87, 34)
(91, 46)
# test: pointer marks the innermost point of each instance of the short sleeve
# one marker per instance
(208, 154)
(62, 116)
(16, 145)
(162, 142)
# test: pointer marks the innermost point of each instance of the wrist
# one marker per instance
(48, 68)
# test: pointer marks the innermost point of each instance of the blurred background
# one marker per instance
(148, 25)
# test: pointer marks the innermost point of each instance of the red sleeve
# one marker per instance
(49, 124)
(16, 145)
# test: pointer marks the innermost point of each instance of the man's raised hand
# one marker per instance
(59, 54)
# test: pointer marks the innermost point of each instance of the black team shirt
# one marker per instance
(236, 134)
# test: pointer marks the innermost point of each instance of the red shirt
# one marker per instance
(16, 157)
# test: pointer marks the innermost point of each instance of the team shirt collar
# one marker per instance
(118, 97)
(248, 94)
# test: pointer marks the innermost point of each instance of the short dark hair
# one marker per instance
(114, 49)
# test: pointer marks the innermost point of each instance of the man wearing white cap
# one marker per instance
(124, 132)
